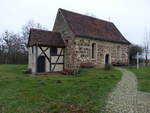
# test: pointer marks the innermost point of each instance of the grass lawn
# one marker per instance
(83, 93)
(143, 76)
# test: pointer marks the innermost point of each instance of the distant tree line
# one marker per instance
(133, 50)
(13, 46)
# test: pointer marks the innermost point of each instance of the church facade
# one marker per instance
(84, 40)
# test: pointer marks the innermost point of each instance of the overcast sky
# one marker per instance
(132, 17)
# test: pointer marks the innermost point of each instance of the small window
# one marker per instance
(93, 50)
(53, 51)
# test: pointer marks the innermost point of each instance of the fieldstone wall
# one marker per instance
(117, 52)
(79, 49)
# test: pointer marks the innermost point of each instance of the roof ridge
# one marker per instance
(43, 30)
(83, 25)
(85, 15)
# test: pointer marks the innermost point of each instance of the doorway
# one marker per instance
(107, 59)
(41, 64)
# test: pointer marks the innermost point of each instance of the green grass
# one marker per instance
(143, 76)
(83, 93)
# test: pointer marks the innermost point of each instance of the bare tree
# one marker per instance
(13, 48)
(2, 50)
(133, 49)
(146, 46)
(26, 29)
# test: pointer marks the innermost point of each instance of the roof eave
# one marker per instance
(102, 39)
(44, 45)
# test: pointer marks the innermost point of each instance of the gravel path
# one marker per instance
(125, 98)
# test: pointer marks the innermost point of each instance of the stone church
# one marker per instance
(75, 40)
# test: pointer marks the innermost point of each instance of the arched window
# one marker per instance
(93, 50)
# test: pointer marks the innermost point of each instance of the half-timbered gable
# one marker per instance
(46, 51)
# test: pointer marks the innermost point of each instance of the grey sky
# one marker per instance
(132, 17)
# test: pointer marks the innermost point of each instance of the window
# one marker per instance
(53, 51)
(93, 50)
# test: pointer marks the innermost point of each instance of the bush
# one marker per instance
(28, 71)
(119, 64)
(87, 65)
(108, 67)
(70, 71)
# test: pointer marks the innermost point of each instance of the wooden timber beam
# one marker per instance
(44, 51)
(45, 54)
(57, 59)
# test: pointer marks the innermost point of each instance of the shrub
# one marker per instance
(70, 71)
(87, 65)
(28, 71)
(58, 81)
(108, 67)
(112, 76)
(119, 63)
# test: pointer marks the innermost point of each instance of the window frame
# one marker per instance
(93, 52)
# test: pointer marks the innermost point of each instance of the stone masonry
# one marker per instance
(117, 52)
(79, 49)
(71, 62)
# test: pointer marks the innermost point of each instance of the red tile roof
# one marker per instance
(90, 27)
(45, 38)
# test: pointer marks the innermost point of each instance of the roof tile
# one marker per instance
(45, 38)
(90, 27)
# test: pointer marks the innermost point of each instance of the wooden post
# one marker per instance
(57, 59)
(50, 60)
(36, 58)
(44, 51)
(44, 54)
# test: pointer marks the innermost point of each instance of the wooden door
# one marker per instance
(41, 64)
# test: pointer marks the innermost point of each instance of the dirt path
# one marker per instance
(125, 98)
